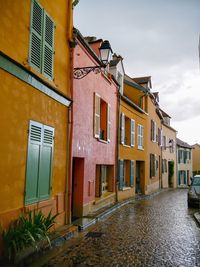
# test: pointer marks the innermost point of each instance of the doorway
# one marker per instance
(137, 184)
(77, 188)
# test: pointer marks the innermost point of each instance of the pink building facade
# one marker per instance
(94, 144)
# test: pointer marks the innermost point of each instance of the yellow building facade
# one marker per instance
(132, 166)
(154, 145)
(35, 100)
(196, 159)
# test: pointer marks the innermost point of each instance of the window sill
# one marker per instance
(140, 148)
(102, 141)
(126, 188)
(126, 145)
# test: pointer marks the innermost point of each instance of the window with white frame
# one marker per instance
(140, 136)
(127, 131)
(102, 119)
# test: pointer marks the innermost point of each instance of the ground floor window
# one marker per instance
(182, 180)
(126, 173)
(104, 179)
(39, 162)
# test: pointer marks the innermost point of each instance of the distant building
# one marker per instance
(168, 146)
(196, 159)
(184, 162)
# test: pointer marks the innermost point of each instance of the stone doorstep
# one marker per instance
(197, 217)
(62, 234)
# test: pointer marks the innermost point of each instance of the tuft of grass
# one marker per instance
(27, 230)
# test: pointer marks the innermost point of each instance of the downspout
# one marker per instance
(161, 155)
(68, 193)
(117, 142)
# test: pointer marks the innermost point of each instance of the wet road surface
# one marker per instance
(158, 231)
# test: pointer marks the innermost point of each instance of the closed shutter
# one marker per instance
(48, 46)
(36, 32)
(155, 129)
(185, 156)
(33, 162)
(39, 162)
(122, 128)
(132, 173)
(108, 122)
(184, 172)
(121, 174)
(152, 130)
(159, 136)
(46, 163)
(155, 165)
(179, 177)
(132, 132)
(96, 115)
(162, 165)
(142, 136)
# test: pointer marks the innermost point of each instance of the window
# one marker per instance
(127, 131)
(41, 49)
(164, 165)
(164, 142)
(104, 179)
(140, 136)
(126, 173)
(39, 162)
(153, 131)
(159, 136)
(153, 165)
(102, 119)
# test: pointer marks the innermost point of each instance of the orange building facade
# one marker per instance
(35, 75)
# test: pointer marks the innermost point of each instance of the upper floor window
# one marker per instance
(153, 131)
(140, 136)
(127, 130)
(102, 119)
(41, 50)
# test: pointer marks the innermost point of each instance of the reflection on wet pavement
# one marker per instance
(158, 231)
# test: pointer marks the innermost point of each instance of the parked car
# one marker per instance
(194, 191)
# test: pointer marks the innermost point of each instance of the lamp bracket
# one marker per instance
(80, 73)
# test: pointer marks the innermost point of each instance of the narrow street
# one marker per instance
(158, 231)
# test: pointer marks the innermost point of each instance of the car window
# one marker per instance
(196, 181)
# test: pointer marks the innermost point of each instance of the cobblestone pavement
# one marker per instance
(158, 231)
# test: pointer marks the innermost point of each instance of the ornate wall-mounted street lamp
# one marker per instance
(105, 51)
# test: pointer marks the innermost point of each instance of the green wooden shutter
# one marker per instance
(36, 32)
(33, 161)
(45, 170)
(48, 46)
(121, 174)
(179, 177)
(132, 173)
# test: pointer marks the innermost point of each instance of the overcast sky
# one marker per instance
(157, 38)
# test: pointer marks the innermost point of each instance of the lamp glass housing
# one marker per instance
(105, 52)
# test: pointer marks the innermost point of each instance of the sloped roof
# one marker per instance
(181, 143)
(114, 62)
(142, 80)
(164, 113)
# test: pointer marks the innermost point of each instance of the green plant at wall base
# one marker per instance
(27, 231)
(171, 169)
